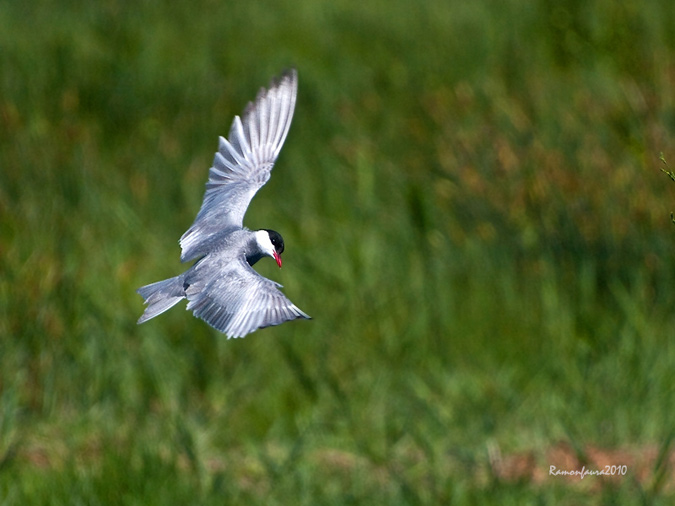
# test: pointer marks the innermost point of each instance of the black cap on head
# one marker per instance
(277, 241)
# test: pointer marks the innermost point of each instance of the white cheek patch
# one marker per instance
(263, 239)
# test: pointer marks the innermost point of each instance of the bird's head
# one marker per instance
(271, 244)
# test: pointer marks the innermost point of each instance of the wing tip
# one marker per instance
(287, 78)
(289, 74)
(241, 331)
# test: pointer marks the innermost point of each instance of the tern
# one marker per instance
(221, 287)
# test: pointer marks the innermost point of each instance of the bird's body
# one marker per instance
(221, 287)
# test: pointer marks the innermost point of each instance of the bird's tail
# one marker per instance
(161, 296)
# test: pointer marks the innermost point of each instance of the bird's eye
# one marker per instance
(276, 240)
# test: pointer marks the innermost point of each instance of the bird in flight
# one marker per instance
(221, 287)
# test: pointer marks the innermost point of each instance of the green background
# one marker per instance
(474, 215)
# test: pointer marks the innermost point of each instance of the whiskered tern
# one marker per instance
(221, 287)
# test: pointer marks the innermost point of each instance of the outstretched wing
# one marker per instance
(237, 300)
(243, 163)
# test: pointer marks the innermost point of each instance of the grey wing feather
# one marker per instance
(238, 300)
(242, 164)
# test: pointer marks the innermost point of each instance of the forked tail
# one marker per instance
(161, 296)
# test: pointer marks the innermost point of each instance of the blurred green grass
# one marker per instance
(474, 216)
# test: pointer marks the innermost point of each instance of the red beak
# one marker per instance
(277, 257)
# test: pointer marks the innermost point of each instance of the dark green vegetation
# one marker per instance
(474, 215)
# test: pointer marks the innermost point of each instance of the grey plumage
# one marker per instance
(221, 287)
